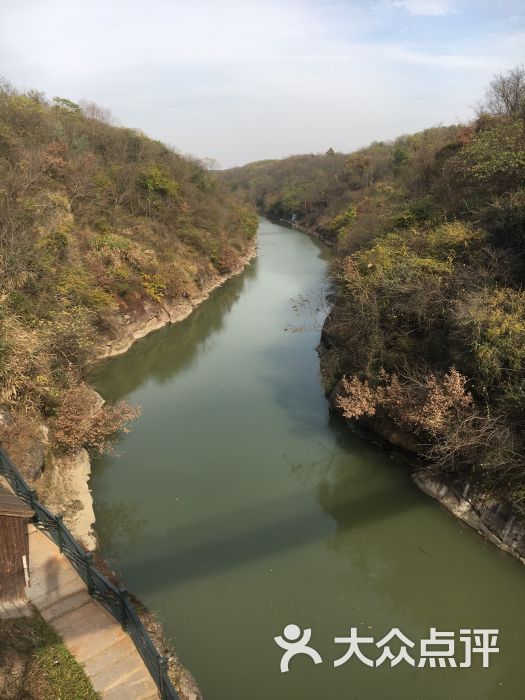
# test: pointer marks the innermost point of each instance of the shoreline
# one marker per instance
(156, 315)
(81, 518)
(494, 520)
(77, 466)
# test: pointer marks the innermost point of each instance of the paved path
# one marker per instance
(91, 634)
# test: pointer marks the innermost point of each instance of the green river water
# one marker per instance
(238, 504)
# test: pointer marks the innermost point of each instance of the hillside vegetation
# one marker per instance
(427, 331)
(96, 221)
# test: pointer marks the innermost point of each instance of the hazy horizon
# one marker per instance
(244, 81)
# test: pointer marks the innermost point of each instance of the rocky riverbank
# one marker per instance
(152, 316)
(495, 521)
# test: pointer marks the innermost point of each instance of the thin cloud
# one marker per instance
(429, 8)
(244, 80)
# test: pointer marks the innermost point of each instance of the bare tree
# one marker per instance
(506, 94)
(94, 111)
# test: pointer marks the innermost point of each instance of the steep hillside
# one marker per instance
(426, 339)
(97, 223)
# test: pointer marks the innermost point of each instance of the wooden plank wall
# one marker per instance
(13, 545)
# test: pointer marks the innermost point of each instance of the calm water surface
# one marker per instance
(238, 504)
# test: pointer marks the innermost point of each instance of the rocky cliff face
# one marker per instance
(64, 488)
(495, 521)
(154, 315)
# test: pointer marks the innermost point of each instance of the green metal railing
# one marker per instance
(114, 600)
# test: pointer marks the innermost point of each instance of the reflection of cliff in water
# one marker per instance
(350, 496)
(150, 358)
(118, 525)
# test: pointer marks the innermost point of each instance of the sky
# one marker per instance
(244, 80)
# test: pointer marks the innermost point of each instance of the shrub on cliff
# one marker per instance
(422, 404)
(69, 336)
(81, 422)
(455, 434)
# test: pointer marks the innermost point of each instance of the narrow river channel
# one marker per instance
(238, 504)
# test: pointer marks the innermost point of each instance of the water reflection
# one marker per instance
(173, 349)
(118, 525)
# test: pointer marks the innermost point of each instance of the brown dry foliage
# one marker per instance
(78, 423)
(359, 399)
(227, 262)
(455, 434)
(424, 405)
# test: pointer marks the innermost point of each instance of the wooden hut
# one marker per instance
(14, 546)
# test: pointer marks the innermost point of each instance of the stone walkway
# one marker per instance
(91, 634)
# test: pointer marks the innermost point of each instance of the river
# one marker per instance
(237, 505)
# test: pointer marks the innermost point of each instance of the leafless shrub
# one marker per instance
(505, 94)
(79, 423)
